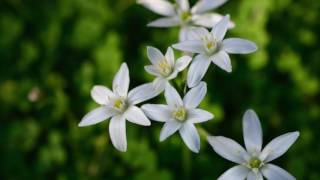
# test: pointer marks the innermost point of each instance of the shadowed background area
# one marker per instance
(53, 52)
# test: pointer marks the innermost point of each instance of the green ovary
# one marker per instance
(180, 114)
(255, 163)
(185, 16)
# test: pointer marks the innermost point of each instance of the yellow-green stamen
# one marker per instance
(179, 114)
(255, 163)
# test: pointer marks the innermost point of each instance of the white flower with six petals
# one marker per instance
(180, 14)
(164, 67)
(119, 105)
(254, 163)
(180, 114)
(212, 47)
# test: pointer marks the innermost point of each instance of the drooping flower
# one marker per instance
(164, 67)
(180, 114)
(254, 163)
(180, 14)
(119, 105)
(212, 47)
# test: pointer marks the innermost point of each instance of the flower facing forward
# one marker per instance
(180, 114)
(212, 47)
(119, 105)
(254, 163)
(180, 14)
(164, 67)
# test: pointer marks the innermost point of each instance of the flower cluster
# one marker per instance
(201, 47)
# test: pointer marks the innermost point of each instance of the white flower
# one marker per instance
(119, 105)
(212, 47)
(254, 163)
(180, 114)
(180, 14)
(164, 67)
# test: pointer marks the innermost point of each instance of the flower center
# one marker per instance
(179, 114)
(164, 68)
(255, 163)
(210, 44)
(185, 16)
(119, 104)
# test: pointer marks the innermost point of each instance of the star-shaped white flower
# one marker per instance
(180, 114)
(119, 105)
(254, 163)
(180, 14)
(164, 67)
(212, 47)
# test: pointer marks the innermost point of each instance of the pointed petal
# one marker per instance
(136, 115)
(97, 115)
(220, 29)
(228, 149)
(157, 112)
(206, 5)
(194, 96)
(154, 55)
(117, 131)
(252, 132)
(170, 56)
(121, 81)
(222, 60)
(199, 116)
(197, 33)
(274, 172)
(278, 146)
(182, 63)
(159, 84)
(165, 22)
(142, 93)
(190, 136)
(183, 34)
(193, 46)
(101, 94)
(255, 176)
(183, 4)
(161, 7)
(237, 172)
(197, 70)
(172, 96)
(168, 129)
(238, 46)
(151, 69)
(209, 20)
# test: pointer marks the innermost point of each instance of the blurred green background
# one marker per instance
(53, 52)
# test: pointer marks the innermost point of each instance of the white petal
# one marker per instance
(183, 4)
(117, 131)
(170, 56)
(209, 20)
(255, 176)
(159, 84)
(161, 7)
(274, 172)
(168, 129)
(197, 70)
(238, 46)
(165, 22)
(252, 132)
(172, 96)
(154, 55)
(182, 63)
(173, 75)
(194, 96)
(190, 136)
(151, 69)
(142, 93)
(192, 46)
(206, 5)
(228, 149)
(220, 29)
(157, 112)
(197, 33)
(199, 116)
(101, 94)
(237, 172)
(278, 146)
(97, 115)
(121, 81)
(136, 115)
(222, 60)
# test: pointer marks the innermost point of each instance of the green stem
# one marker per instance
(186, 163)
